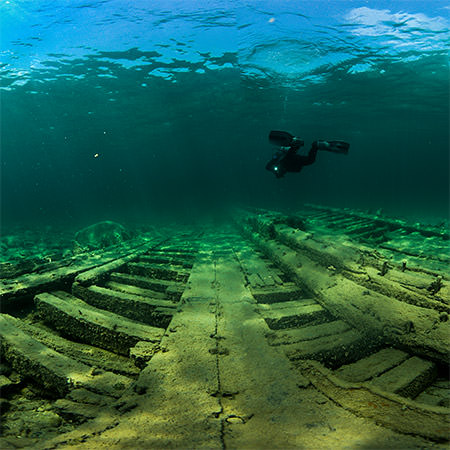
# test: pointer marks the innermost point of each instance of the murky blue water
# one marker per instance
(114, 109)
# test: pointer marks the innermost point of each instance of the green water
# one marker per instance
(112, 127)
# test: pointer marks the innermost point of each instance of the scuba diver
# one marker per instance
(286, 159)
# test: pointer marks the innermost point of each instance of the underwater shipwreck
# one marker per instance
(325, 328)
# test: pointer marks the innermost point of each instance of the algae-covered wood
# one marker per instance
(355, 284)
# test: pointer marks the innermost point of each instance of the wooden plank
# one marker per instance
(258, 271)
(438, 394)
(423, 331)
(440, 253)
(332, 350)
(77, 412)
(344, 222)
(185, 263)
(372, 365)
(135, 290)
(279, 306)
(409, 287)
(284, 292)
(175, 251)
(358, 229)
(176, 389)
(375, 232)
(391, 410)
(55, 372)
(322, 250)
(295, 316)
(98, 273)
(172, 289)
(424, 230)
(152, 312)
(87, 354)
(81, 321)
(322, 216)
(407, 379)
(98, 292)
(31, 283)
(164, 272)
(307, 333)
(270, 278)
(255, 281)
(425, 264)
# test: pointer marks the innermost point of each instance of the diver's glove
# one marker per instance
(333, 146)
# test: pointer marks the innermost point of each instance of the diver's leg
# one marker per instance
(307, 160)
(333, 146)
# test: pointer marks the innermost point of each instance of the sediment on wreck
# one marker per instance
(346, 278)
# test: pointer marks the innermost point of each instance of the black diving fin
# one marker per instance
(285, 139)
(281, 138)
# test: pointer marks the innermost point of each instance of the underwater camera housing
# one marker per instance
(286, 141)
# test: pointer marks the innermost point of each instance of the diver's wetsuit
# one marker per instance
(286, 158)
(294, 163)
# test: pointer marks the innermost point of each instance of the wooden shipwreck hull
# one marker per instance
(284, 331)
(398, 291)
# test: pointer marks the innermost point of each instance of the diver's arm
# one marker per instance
(310, 157)
(293, 148)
